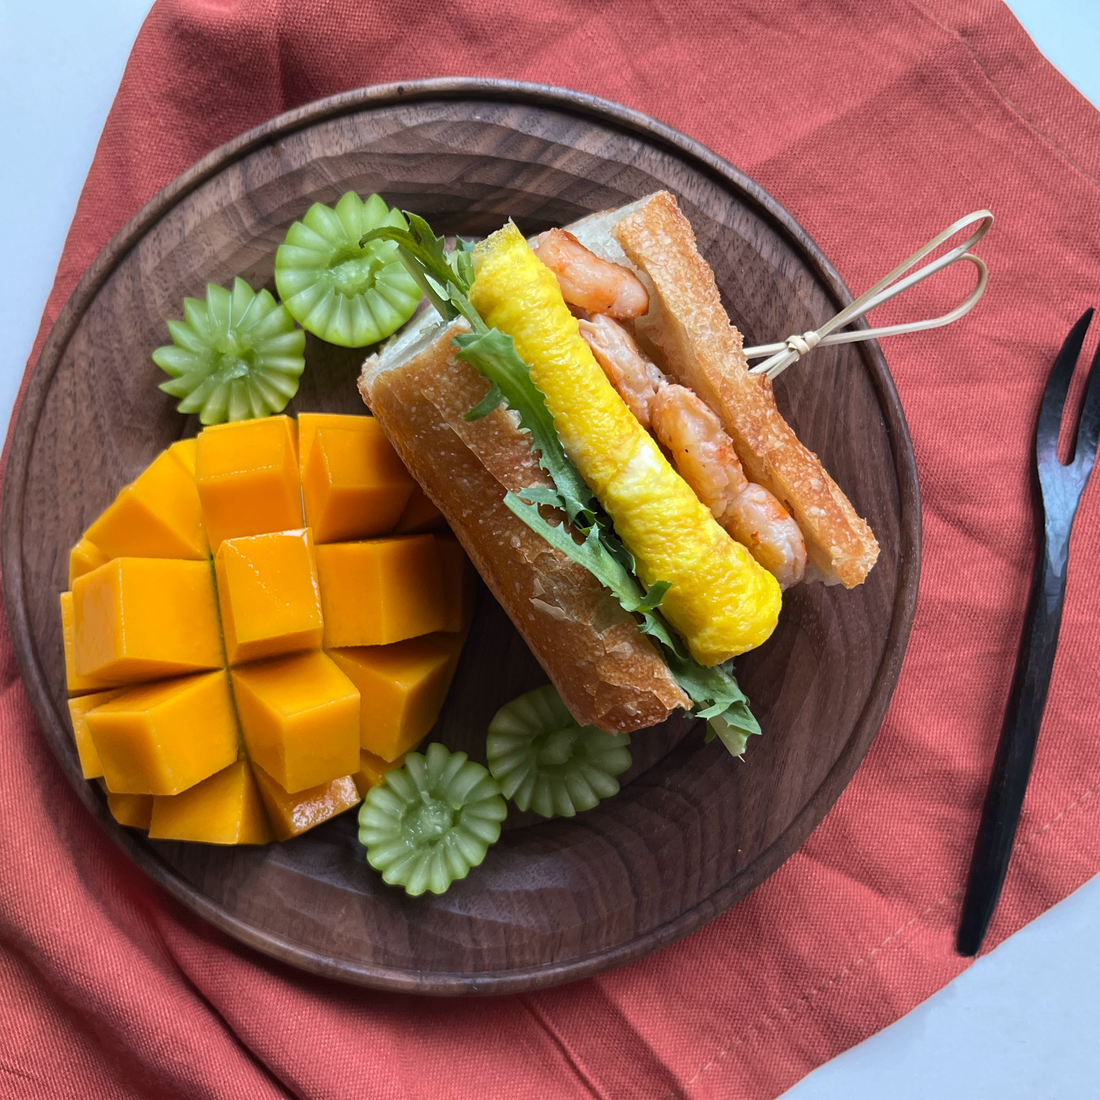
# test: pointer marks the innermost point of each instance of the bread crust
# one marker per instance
(704, 352)
(607, 672)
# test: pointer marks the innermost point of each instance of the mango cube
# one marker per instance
(458, 582)
(269, 596)
(85, 746)
(145, 618)
(134, 810)
(163, 738)
(420, 515)
(308, 425)
(156, 516)
(185, 451)
(224, 809)
(402, 687)
(372, 771)
(247, 475)
(84, 557)
(380, 591)
(293, 814)
(77, 685)
(300, 719)
(354, 484)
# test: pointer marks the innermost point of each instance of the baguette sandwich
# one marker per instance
(582, 414)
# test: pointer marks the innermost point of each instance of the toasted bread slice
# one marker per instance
(607, 671)
(702, 350)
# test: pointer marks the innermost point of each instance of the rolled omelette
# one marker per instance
(721, 602)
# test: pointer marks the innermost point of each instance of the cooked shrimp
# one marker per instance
(701, 451)
(595, 285)
(704, 456)
(634, 377)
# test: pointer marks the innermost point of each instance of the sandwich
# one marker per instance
(579, 409)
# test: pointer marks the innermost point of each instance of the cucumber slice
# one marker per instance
(546, 762)
(431, 821)
(235, 355)
(342, 293)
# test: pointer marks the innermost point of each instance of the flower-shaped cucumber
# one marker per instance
(546, 762)
(431, 821)
(346, 294)
(236, 355)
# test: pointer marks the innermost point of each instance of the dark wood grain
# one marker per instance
(692, 831)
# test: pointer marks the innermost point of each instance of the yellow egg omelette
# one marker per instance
(721, 602)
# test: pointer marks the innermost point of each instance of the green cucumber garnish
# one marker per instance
(235, 356)
(546, 762)
(344, 293)
(431, 821)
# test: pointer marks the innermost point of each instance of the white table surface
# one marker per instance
(1023, 1023)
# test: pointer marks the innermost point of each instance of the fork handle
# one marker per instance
(1016, 749)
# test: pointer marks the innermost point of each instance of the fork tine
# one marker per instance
(1088, 431)
(1054, 397)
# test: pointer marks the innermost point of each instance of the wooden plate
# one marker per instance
(692, 832)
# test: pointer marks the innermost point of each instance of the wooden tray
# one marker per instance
(692, 831)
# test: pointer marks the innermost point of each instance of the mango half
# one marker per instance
(209, 694)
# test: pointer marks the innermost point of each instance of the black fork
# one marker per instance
(1061, 487)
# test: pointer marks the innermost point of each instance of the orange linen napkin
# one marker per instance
(876, 123)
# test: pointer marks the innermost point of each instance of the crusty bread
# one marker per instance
(701, 349)
(607, 671)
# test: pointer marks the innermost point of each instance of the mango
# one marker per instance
(293, 814)
(308, 424)
(185, 451)
(77, 685)
(380, 591)
(420, 515)
(163, 738)
(157, 516)
(134, 810)
(459, 583)
(224, 809)
(247, 474)
(269, 596)
(300, 719)
(85, 746)
(372, 771)
(354, 485)
(402, 687)
(84, 557)
(145, 618)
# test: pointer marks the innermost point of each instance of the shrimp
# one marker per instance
(701, 451)
(586, 281)
(704, 456)
(634, 377)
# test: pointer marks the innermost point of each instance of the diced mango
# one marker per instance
(156, 516)
(354, 484)
(83, 558)
(402, 687)
(224, 809)
(300, 719)
(145, 618)
(85, 746)
(372, 771)
(309, 423)
(163, 738)
(77, 685)
(420, 515)
(269, 596)
(248, 481)
(380, 591)
(185, 451)
(134, 810)
(459, 582)
(292, 814)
